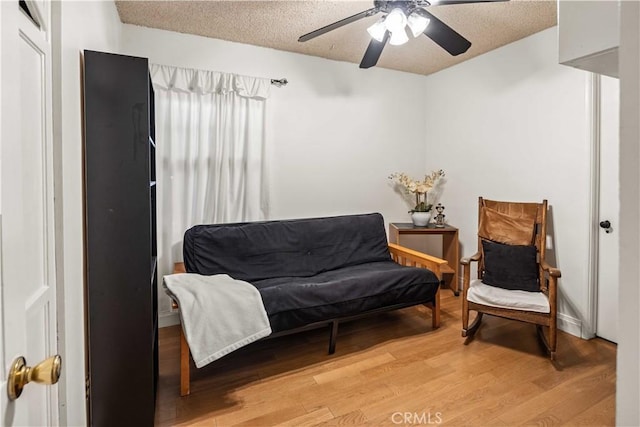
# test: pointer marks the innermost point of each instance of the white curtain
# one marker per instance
(210, 139)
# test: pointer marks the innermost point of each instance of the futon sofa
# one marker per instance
(314, 272)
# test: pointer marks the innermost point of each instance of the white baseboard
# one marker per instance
(168, 319)
(570, 325)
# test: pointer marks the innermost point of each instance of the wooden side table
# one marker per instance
(450, 246)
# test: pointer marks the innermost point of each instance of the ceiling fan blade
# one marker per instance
(446, 2)
(374, 51)
(445, 36)
(338, 24)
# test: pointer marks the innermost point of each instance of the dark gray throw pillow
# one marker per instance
(511, 267)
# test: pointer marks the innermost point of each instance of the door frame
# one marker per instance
(3, 374)
(593, 113)
(55, 33)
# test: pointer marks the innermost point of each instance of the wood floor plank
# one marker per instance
(263, 413)
(274, 388)
(428, 396)
(310, 419)
(353, 368)
(352, 418)
(344, 400)
(483, 412)
(574, 387)
(601, 414)
(594, 389)
(391, 363)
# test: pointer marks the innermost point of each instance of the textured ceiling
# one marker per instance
(278, 24)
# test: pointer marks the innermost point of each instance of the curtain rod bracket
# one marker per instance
(279, 82)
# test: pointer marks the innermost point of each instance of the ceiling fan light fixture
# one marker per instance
(397, 16)
(398, 37)
(417, 23)
(396, 20)
(377, 30)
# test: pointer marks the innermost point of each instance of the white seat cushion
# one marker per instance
(481, 293)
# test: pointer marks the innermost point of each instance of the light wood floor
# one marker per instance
(393, 364)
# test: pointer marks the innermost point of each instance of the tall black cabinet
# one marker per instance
(120, 240)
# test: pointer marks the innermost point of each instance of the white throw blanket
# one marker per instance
(219, 314)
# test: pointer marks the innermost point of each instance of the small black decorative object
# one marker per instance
(440, 216)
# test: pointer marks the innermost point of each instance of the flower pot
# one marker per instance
(420, 219)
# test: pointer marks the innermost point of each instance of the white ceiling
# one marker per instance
(278, 24)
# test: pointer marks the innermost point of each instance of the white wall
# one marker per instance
(513, 125)
(83, 25)
(628, 378)
(334, 133)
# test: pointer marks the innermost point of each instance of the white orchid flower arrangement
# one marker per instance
(410, 187)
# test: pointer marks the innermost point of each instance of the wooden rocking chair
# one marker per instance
(538, 308)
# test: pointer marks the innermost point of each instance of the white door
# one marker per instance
(27, 246)
(607, 318)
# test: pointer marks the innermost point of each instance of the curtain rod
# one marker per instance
(279, 82)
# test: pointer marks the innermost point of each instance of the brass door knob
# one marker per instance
(45, 372)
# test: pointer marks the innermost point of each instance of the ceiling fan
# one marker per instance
(392, 26)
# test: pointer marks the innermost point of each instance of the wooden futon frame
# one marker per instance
(399, 254)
